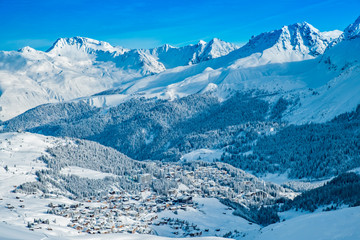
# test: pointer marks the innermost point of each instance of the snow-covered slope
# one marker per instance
(340, 93)
(211, 215)
(341, 224)
(29, 78)
(332, 35)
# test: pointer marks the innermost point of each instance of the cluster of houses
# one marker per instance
(37, 224)
(218, 183)
(118, 212)
(181, 227)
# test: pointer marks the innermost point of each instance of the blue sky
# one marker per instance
(145, 24)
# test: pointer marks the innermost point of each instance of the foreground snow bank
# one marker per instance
(341, 224)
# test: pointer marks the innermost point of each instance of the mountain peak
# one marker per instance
(87, 45)
(216, 48)
(166, 47)
(304, 38)
(27, 49)
(295, 42)
(302, 28)
(302, 24)
(353, 30)
(201, 42)
(216, 40)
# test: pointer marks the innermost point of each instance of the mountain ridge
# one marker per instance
(79, 67)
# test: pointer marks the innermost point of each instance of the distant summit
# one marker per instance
(192, 54)
(87, 45)
(353, 30)
(300, 37)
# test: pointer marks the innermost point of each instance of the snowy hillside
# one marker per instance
(30, 77)
(283, 62)
(341, 224)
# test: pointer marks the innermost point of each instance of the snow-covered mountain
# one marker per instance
(339, 93)
(292, 62)
(173, 56)
(69, 46)
(151, 60)
(86, 49)
(284, 62)
(296, 42)
(352, 31)
(292, 43)
(77, 67)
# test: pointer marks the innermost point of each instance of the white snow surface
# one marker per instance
(342, 224)
(211, 215)
(9, 232)
(84, 172)
(332, 35)
(203, 154)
